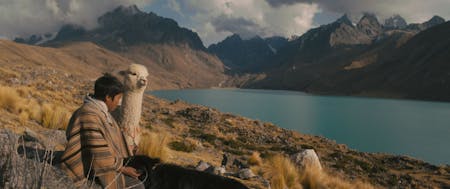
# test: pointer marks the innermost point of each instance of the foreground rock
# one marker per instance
(19, 172)
(307, 158)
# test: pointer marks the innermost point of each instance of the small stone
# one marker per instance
(246, 174)
(202, 166)
(216, 170)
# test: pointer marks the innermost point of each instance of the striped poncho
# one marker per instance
(96, 146)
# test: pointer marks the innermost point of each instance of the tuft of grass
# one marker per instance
(282, 173)
(169, 122)
(9, 99)
(255, 159)
(182, 146)
(154, 145)
(208, 138)
(312, 177)
(48, 115)
(54, 117)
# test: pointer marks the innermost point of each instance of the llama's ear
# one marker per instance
(122, 73)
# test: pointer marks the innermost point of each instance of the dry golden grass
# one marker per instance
(282, 174)
(9, 99)
(48, 115)
(154, 145)
(255, 159)
(312, 177)
(54, 117)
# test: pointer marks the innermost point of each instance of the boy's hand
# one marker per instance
(130, 171)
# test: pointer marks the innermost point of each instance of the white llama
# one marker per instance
(129, 113)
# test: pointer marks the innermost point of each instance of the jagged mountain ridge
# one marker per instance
(128, 26)
(170, 52)
(395, 22)
(331, 59)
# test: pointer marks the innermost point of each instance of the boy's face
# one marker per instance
(113, 102)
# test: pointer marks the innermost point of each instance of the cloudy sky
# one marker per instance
(212, 19)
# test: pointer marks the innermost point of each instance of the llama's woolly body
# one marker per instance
(129, 114)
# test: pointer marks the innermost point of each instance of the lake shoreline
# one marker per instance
(410, 104)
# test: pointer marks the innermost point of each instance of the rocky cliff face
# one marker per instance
(395, 22)
(370, 26)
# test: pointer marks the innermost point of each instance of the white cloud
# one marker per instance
(411, 10)
(174, 5)
(215, 19)
(27, 17)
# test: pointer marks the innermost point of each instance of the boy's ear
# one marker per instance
(107, 97)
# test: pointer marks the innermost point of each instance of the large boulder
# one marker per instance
(17, 171)
(307, 157)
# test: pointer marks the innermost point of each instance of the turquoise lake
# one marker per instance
(415, 128)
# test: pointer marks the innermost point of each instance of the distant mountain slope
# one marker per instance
(128, 26)
(83, 59)
(419, 69)
(244, 55)
(340, 58)
(174, 55)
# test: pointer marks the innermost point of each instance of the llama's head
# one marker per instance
(135, 77)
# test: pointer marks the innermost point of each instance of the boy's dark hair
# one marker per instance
(107, 85)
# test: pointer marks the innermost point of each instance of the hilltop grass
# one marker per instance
(154, 145)
(187, 145)
(255, 159)
(283, 173)
(49, 115)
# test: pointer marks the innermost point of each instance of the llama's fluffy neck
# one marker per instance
(131, 110)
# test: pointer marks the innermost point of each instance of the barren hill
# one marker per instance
(175, 56)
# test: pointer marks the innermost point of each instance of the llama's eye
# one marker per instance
(133, 74)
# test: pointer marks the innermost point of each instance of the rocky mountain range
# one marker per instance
(358, 59)
(342, 57)
(174, 54)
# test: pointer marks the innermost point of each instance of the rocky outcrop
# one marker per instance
(395, 22)
(370, 26)
(17, 171)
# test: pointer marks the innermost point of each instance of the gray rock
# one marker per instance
(246, 174)
(54, 137)
(20, 172)
(48, 138)
(202, 166)
(307, 157)
(216, 170)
